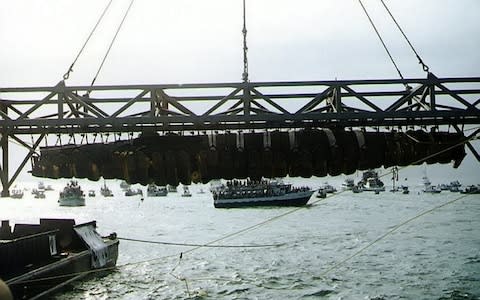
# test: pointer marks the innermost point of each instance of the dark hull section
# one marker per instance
(237, 203)
(173, 159)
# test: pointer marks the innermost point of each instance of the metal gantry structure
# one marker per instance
(26, 112)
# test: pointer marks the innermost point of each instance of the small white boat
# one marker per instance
(186, 192)
(16, 193)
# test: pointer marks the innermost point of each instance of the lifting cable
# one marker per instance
(111, 44)
(67, 74)
(420, 61)
(383, 43)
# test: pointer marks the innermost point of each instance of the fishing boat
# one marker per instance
(72, 195)
(471, 189)
(38, 194)
(171, 188)
(16, 193)
(348, 184)
(321, 193)
(156, 191)
(131, 192)
(186, 192)
(404, 189)
(428, 187)
(239, 193)
(37, 260)
(329, 189)
(105, 191)
(124, 185)
(370, 182)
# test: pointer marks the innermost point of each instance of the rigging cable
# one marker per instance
(383, 43)
(111, 44)
(420, 61)
(67, 74)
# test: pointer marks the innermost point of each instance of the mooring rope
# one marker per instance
(200, 245)
(395, 228)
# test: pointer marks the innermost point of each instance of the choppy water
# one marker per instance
(436, 256)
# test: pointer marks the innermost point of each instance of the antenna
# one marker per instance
(245, 48)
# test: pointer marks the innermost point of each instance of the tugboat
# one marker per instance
(238, 193)
(37, 260)
(156, 191)
(72, 195)
(370, 182)
(186, 192)
(105, 191)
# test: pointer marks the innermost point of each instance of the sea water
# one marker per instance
(347, 246)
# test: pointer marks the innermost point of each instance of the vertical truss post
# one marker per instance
(61, 100)
(337, 98)
(431, 91)
(247, 99)
(4, 166)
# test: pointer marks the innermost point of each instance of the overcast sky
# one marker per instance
(201, 41)
(180, 41)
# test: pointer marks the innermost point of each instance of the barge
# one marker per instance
(38, 260)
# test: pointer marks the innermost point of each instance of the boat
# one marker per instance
(321, 193)
(91, 193)
(132, 192)
(454, 186)
(72, 195)
(124, 185)
(216, 185)
(186, 192)
(38, 260)
(428, 187)
(16, 193)
(105, 191)
(357, 189)
(348, 184)
(171, 188)
(330, 189)
(370, 182)
(39, 194)
(471, 189)
(201, 191)
(156, 191)
(404, 189)
(247, 193)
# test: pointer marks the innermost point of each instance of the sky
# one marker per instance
(191, 41)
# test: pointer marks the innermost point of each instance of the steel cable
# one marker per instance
(67, 74)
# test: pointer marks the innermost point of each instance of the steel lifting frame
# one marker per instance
(73, 110)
